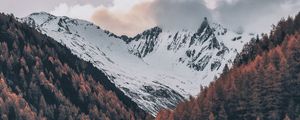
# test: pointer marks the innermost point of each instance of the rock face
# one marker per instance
(157, 68)
(143, 44)
(210, 48)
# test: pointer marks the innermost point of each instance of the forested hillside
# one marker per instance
(264, 83)
(264, 42)
(41, 79)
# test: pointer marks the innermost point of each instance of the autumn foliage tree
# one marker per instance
(264, 83)
(41, 79)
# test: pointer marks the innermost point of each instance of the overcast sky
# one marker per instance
(133, 16)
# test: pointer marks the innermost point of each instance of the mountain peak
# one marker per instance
(152, 32)
(145, 42)
(41, 14)
(203, 25)
(205, 18)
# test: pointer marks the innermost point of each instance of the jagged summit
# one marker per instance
(156, 68)
(146, 42)
(202, 50)
(203, 25)
(41, 13)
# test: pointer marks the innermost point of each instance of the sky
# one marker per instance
(130, 17)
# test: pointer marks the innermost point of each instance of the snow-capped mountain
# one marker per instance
(157, 68)
(203, 50)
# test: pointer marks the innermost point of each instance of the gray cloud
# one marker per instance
(23, 8)
(255, 15)
(252, 15)
(180, 14)
(168, 14)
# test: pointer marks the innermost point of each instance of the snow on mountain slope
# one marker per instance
(156, 68)
(197, 56)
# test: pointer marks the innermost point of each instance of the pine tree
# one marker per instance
(297, 22)
(226, 69)
(211, 116)
(222, 114)
(286, 117)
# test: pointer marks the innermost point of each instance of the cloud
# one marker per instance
(211, 4)
(77, 11)
(134, 16)
(255, 15)
(180, 14)
(128, 22)
(17, 6)
(169, 14)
